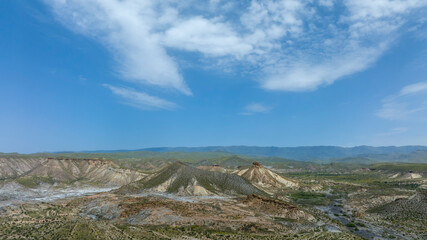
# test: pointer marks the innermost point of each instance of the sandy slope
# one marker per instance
(265, 178)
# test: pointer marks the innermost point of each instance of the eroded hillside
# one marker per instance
(265, 178)
(284, 200)
(66, 170)
(182, 179)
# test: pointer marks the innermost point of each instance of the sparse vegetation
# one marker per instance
(34, 181)
(310, 198)
(361, 194)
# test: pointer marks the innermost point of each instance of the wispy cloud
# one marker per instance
(289, 45)
(340, 46)
(306, 76)
(254, 108)
(140, 100)
(414, 89)
(409, 102)
(394, 131)
(126, 28)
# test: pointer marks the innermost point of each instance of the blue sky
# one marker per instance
(91, 74)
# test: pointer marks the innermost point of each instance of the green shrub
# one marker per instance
(33, 181)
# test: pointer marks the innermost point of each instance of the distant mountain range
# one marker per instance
(306, 153)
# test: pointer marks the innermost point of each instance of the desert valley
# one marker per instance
(213, 119)
(208, 195)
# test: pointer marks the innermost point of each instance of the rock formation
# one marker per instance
(265, 178)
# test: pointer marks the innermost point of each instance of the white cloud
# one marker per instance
(289, 45)
(274, 18)
(355, 42)
(126, 28)
(140, 100)
(256, 108)
(326, 3)
(409, 103)
(414, 88)
(372, 10)
(209, 37)
(303, 76)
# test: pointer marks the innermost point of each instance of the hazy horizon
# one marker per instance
(222, 146)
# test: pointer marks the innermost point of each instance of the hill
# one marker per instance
(31, 171)
(264, 178)
(400, 167)
(414, 207)
(234, 162)
(213, 168)
(13, 167)
(182, 179)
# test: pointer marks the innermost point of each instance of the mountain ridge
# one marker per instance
(302, 153)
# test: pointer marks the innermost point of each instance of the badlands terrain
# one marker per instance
(208, 195)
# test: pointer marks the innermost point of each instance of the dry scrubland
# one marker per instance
(216, 197)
